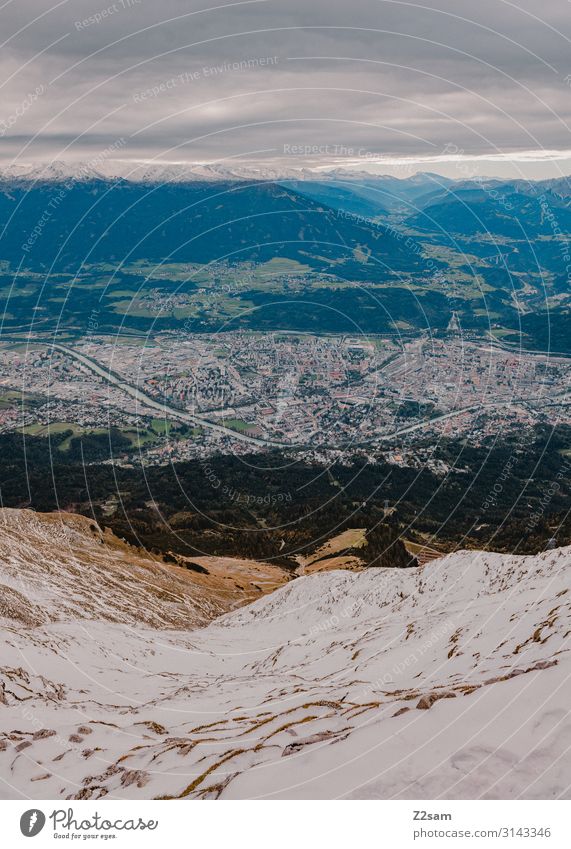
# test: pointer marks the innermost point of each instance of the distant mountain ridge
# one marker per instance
(359, 250)
(61, 223)
(424, 195)
(135, 171)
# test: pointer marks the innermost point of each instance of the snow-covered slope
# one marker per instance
(451, 681)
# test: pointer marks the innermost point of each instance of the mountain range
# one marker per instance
(342, 248)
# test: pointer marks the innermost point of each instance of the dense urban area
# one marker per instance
(323, 396)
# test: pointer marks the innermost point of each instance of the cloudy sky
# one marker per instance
(451, 86)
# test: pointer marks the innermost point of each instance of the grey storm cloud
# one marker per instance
(283, 80)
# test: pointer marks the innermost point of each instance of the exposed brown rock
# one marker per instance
(42, 733)
(426, 702)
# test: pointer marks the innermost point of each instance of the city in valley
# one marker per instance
(181, 397)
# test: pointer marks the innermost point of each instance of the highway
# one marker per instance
(164, 409)
(555, 401)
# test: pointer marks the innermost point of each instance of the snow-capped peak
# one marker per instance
(152, 172)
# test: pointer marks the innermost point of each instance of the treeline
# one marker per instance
(512, 495)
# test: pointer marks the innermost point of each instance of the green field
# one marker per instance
(238, 424)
